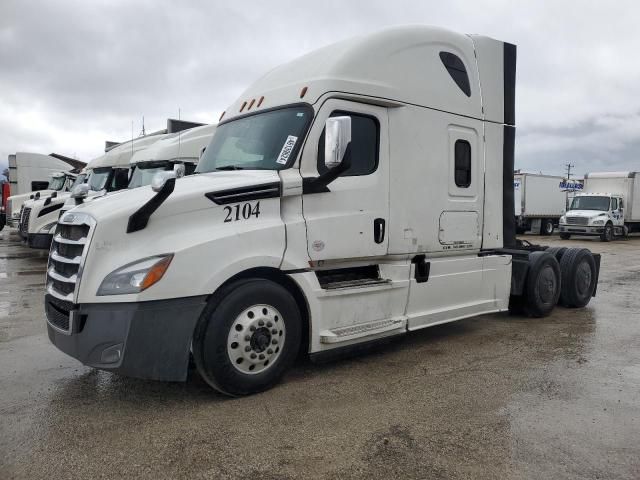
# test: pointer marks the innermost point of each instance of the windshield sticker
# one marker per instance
(286, 149)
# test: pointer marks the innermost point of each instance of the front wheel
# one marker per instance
(247, 337)
(607, 234)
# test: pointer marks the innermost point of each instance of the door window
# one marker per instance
(462, 154)
(614, 204)
(365, 138)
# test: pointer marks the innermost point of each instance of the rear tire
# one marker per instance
(578, 268)
(543, 284)
(247, 337)
(607, 235)
(557, 252)
(546, 227)
(565, 236)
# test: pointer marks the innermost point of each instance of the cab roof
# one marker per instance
(186, 146)
(119, 156)
(402, 65)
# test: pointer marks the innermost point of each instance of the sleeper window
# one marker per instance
(364, 145)
(462, 159)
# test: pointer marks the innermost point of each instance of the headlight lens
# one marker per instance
(48, 228)
(563, 219)
(135, 277)
(598, 222)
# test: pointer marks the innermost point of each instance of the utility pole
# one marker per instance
(569, 167)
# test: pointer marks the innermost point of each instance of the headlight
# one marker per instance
(48, 227)
(135, 277)
(598, 222)
(563, 219)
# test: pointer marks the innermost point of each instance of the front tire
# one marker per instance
(607, 235)
(247, 337)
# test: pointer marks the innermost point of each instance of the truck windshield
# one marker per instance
(143, 173)
(57, 183)
(263, 141)
(590, 203)
(99, 178)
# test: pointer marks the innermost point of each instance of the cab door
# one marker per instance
(350, 219)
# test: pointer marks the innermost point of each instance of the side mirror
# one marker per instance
(179, 170)
(337, 138)
(80, 191)
(160, 178)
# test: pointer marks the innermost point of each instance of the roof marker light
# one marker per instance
(253, 100)
(260, 101)
(303, 92)
(244, 104)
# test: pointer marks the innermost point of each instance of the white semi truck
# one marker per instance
(23, 187)
(355, 194)
(151, 155)
(540, 200)
(39, 216)
(609, 206)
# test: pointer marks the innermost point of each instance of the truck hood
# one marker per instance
(585, 213)
(188, 195)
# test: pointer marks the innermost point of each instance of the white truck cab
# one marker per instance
(608, 207)
(39, 216)
(355, 194)
(59, 182)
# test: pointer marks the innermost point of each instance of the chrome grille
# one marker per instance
(577, 221)
(68, 251)
(23, 227)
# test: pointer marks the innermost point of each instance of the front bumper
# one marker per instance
(148, 340)
(39, 240)
(581, 229)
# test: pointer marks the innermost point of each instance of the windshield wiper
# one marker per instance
(230, 167)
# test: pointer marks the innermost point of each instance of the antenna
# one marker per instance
(569, 167)
(132, 138)
(143, 132)
(179, 134)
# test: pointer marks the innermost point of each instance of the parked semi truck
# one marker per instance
(164, 153)
(358, 193)
(609, 206)
(540, 201)
(59, 182)
(39, 216)
(110, 172)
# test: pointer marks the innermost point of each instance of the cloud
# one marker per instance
(76, 73)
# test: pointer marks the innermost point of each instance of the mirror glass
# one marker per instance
(337, 137)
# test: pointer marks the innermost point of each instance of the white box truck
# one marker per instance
(540, 201)
(167, 151)
(358, 193)
(609, 206)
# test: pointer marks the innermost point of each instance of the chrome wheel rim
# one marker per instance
(255, 339)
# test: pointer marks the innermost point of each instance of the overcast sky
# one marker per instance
(76, 73)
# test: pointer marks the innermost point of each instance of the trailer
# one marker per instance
(540, 201)
(608, 207)
(353, 195)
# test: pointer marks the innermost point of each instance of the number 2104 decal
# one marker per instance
(241, 212)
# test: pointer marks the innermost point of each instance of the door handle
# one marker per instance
(378, 230)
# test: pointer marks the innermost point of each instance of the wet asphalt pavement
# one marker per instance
(489, 397)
